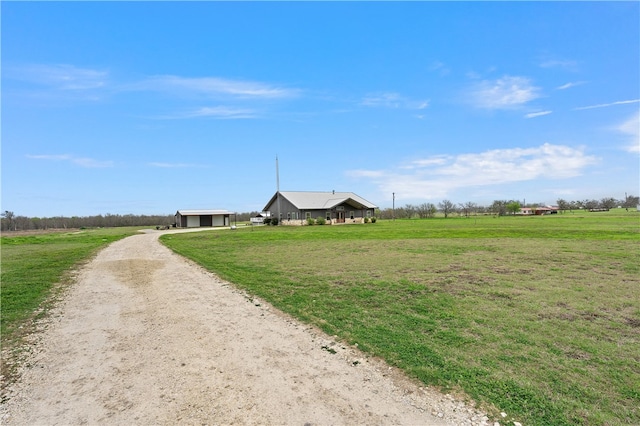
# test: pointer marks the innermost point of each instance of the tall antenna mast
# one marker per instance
(277, 175)
(278, 187)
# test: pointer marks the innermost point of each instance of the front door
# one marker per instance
(340, 216)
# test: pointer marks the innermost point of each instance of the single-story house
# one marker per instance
(545, 210)
(539, 211)
(526, 210)
(295, 207)
(198, 218)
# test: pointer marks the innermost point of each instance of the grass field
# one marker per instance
(535, 316)
(34, 265)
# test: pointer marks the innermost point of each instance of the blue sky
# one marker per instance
(151, 107)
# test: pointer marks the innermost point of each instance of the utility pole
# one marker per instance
(278, 188)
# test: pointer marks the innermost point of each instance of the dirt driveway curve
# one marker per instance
(147, 337)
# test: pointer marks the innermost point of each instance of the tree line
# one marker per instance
(499, 207)
(13, 222)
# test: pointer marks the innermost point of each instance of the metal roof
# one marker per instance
(323, 200)
(202, 212)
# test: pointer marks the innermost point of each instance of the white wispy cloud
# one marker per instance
(59, 76)
(85, 162)
(631, 101)
(388, 100)
(436, 177)
(175, 165)
(570, 85)
(67, 77)
(537, 114)
(507, 92)
(215, 87)
(567, 64)
(393, 100)
(368, 173)
(437, 160)
(217, 112)
(440, 68)
(631, 128)
(54, 84)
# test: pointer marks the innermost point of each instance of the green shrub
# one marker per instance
(310, 221)
(366, 220)
(373, 219)
(274, 221)
(321, 220)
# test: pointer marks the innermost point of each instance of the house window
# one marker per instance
(294, 215)
(368, 213)
(328, 215)
(307, 215)
(288, 216)
(351, 214)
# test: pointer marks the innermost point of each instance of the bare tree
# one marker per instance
(426, 210)
(608, 203)
(410, 210)
(431, 210)
(7, 219)
(562, 205)
(499, 207)
(468, 208)
(472, 207)
(386, 213)
(21, 223)
(631, 201)
(422, 210)
(463, 209)
(590, 204)
(446, 207)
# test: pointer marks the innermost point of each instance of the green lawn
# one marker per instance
(535, 316)
(34, 265)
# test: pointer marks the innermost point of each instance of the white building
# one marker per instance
(199, 218)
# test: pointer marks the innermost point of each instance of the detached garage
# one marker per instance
(200, 218)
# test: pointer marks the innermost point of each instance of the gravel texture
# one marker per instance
(144, 337)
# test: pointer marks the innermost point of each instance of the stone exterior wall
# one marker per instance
(293, 222)
(303, 222)
(349, 221)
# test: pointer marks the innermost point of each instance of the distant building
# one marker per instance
(258, 219)
(538, 210)
(295, 207)
(201, 218)
(526, 211)
(546, 210)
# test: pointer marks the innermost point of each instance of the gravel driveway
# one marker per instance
(147, 337)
